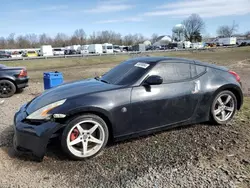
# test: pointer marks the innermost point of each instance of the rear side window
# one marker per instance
(197, 70)
(172, 72)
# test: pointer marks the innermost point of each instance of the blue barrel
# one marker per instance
(52, 79)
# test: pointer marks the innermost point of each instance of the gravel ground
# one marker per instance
(193, 156)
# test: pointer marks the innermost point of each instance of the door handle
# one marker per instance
(197, 86)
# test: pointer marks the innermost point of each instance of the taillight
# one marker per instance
(23, 73)
(237, 77)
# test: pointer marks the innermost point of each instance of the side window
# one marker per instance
(172, 72)
(197, 70)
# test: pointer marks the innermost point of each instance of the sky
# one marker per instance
(123, 16)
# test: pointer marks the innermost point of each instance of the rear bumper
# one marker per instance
(22, 82)
(32, 138)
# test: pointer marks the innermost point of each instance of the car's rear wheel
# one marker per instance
(223, 107)
(85, 136)
(7, 88)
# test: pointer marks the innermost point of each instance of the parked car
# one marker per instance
(31, 53)
(12, 79)
(5, 54)
(137, 97)
(58, 51)
(17, 54)
(70, 52)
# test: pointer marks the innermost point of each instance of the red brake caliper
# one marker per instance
(74, 134)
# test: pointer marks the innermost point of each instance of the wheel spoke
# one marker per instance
(80, 129)
(95, 140)
(228, 99)
(220, 101)
(230, 109)
(216, 112)
(84, 147)
(76, 141)
(223, 115)
(93, 128)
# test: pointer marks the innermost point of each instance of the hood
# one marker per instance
(67, 91)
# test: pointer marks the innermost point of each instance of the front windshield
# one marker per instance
(127, 72)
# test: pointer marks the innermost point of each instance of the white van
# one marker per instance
(95, 48)
(46, 50)
(107, 48)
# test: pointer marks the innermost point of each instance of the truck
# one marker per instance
(46, 50)
(107, 48)
(95, 49)
(227, 41)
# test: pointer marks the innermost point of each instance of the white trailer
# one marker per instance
(197, 45)
(95, 48)
(46, 50)
(227, 41)
(84, 49)
(107, 48)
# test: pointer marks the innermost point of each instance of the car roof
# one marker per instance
(161, 58)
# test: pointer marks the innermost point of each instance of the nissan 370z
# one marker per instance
(137, 97)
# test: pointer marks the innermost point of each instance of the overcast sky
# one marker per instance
(124, 16)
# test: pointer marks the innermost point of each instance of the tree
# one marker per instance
(154, 38)
(247, 34)
(11, 40)
(44, 39)
(193, 25)
(197, 37)
(226, 30)
(3, 43)
(80, 35)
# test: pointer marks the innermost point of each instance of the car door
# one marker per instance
(171, 102)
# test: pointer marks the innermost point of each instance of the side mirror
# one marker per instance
(153, 80)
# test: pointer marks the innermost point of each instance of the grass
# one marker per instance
(220, 56)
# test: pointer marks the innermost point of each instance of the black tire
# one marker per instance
(7, 88)
(213, 118)
(72, 123)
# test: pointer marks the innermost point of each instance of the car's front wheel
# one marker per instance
(85, 136)
(223, 107)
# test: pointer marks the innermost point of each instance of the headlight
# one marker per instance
(43, 113)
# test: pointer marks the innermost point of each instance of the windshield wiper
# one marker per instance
(105, 81)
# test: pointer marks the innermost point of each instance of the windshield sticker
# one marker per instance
(142, 65)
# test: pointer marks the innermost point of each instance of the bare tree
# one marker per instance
(247, 34)
(154, 38)
(44, 39)
(11, 40)
(80, 35)
(226, 30)
(3, 43)
(22, 42)
(194, 25)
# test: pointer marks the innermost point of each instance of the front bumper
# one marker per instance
(32, 138)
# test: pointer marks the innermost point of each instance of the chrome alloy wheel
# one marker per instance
(86, 138)
(224, 107)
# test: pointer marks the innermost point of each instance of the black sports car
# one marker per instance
(137, 97)
(12, 79)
